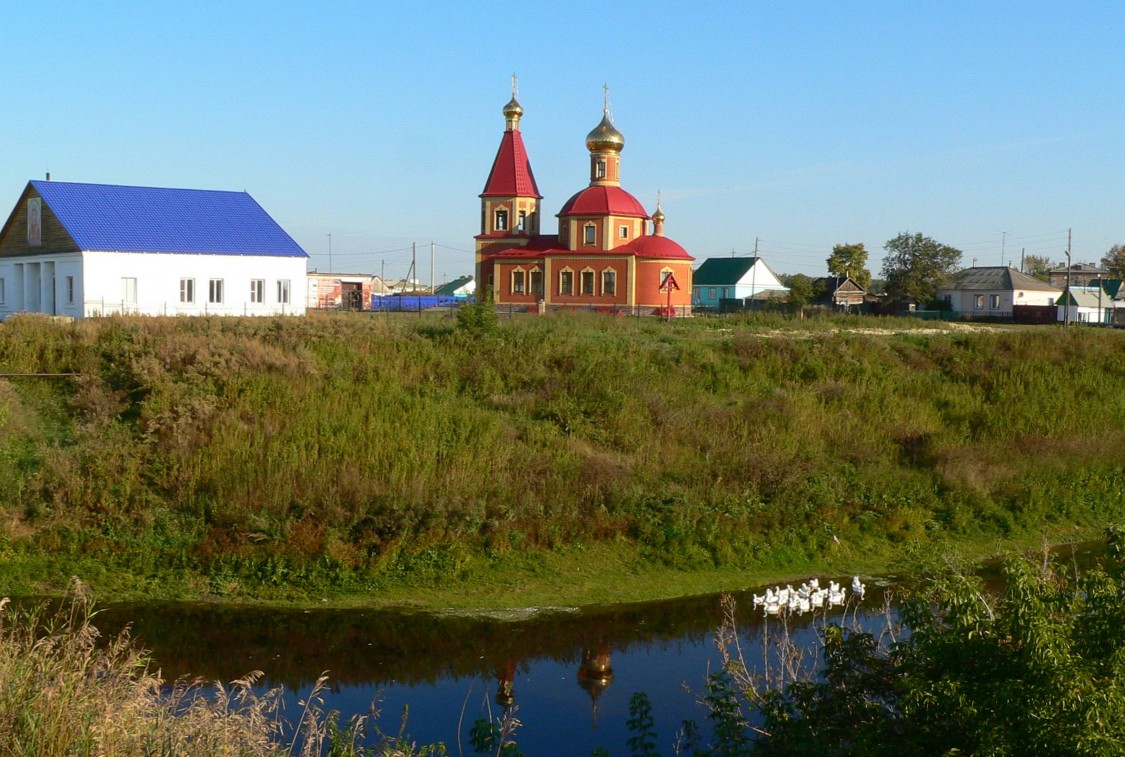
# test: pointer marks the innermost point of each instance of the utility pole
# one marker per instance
(1069, 296)
(1003, 239)
(413, 266)
(431, 267)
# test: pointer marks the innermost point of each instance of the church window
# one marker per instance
(609, 282)
(536, 281)
(600, 169)
(517, 281)
(566, 282)
(523, 220)
(587, 282)
(501, 220)
(624, 232)
(590, 234)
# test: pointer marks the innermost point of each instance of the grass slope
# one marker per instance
(556, 460)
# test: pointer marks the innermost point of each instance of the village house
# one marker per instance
(839, 293)
(604, 255)
(1079, 275)
(995, 292)
(84, 250)
(734, 280)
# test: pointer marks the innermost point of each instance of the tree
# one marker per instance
(800, 288)
(1114, 262)
(916, 266)
(1038, 266)
(850, 260)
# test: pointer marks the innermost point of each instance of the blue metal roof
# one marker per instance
(105, 217)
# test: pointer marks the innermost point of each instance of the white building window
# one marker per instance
(2, 291)
(70, 290)
(129, 290)
(978, 302)
(283, 291)
(257, 290)
(994, 301)
(187, 291)
(215, 291)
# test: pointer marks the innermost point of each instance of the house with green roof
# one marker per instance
(85, 250)
(462, 286)
(734, 278)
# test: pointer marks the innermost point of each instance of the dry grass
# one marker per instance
(65, 691)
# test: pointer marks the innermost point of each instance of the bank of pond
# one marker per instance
(570, 676)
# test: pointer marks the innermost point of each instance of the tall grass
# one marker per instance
(66, 691)
(349, 451)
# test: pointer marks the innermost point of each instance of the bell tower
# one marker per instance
(509, 208)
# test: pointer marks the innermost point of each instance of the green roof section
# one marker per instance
(722, 271)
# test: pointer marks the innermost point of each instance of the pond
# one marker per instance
(568, 673)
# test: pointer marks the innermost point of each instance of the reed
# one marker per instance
(67, 691)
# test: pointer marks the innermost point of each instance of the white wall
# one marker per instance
(158, 277)
(40, 284)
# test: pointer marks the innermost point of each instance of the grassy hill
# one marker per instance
(571, 458)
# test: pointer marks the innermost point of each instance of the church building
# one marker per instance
(604, 255)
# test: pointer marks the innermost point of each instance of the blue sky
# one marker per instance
(990, 126)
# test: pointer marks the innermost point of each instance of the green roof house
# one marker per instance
(734, 279)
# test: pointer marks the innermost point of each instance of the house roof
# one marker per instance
(722, 271)
(451, 287)
(511, 174)
(996, 278)
(832, 284)
(105, 217)
(603, 201)
(1078, 268)
(1084, 298)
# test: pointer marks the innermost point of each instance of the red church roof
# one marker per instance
(651, 246)
(511, 171)
(602, 201)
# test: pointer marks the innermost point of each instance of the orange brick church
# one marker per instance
(604, 255)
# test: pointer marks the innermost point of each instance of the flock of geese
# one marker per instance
(807, 597)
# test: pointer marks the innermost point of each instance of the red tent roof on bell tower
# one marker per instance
(511, 174)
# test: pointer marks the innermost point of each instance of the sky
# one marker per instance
(368, 128)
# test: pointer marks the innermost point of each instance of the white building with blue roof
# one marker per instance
(86, 250)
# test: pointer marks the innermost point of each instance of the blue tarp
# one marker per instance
(411, 303)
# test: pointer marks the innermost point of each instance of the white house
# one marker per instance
(992, 291)
(734, 279)
(1089, 304)
(96, 249)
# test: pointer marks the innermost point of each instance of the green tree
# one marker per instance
(916, 266)
(1114, 262)
(800, 288)
(1038, 266)
(850, 260)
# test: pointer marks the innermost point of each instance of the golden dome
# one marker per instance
(605, 137)
(513, 108)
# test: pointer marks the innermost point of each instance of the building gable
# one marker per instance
(53, 235)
